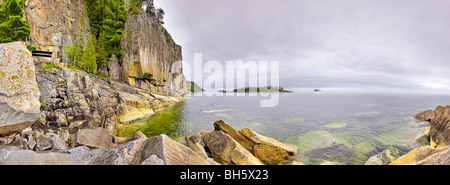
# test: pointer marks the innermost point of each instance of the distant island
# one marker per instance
(257, 90)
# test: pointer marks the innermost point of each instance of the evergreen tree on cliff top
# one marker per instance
(89, 57)
(107, 20)
(12, 25)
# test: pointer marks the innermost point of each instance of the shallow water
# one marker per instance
(326, 127)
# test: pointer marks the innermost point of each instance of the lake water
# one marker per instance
(344, 128)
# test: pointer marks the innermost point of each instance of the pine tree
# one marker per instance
(107, 20)
(12, 25)
(89, 57)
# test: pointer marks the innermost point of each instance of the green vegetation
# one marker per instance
(12, 25)
(107, 20)
(49, 66)
(89, 57)
(193, 87)
(31, 48)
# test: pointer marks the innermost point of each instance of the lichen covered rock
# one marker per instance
(19, 92)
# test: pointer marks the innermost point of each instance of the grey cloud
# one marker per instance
(330, 43)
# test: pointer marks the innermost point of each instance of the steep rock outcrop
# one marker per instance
(151, 59)
(19, 92)
(54, 22)
(440, 127)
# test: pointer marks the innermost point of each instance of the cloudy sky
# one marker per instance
(391, 44)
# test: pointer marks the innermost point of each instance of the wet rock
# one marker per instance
(94, 138)
(384, 158)
(322, 146)
(268, 150)
(19, 92)
(440, 127)
(225, 150)
(425, 155)
(424, 116)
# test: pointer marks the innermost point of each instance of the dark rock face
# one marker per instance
(440, 127)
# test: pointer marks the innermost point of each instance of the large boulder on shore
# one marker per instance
(19, 92)
(225, 150)
(425, 155)
(172, 152)
(11, 155)
(267, 150)
(94, 138)
(440, 127)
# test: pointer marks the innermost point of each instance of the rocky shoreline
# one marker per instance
(434, 143)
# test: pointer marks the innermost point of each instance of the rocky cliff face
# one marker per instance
(152, 60)
(54, 22)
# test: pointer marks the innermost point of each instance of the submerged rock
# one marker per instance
(322, 146)
(19, 92)
(384, 158)
(225, 150)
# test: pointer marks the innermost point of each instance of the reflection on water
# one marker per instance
(326, 127)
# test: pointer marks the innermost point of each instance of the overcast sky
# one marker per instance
(399, 44)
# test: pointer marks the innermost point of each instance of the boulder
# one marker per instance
(138, 135)
(153, 160)
(425, 155)
(94, 138)
(10, 155)
(19, 92)
(225, 150)
(194, 142)
(384, 158)
(125, 154)
(424, 116)
(220, 125)
(267, 150)
(440, 127)
(172, 152)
